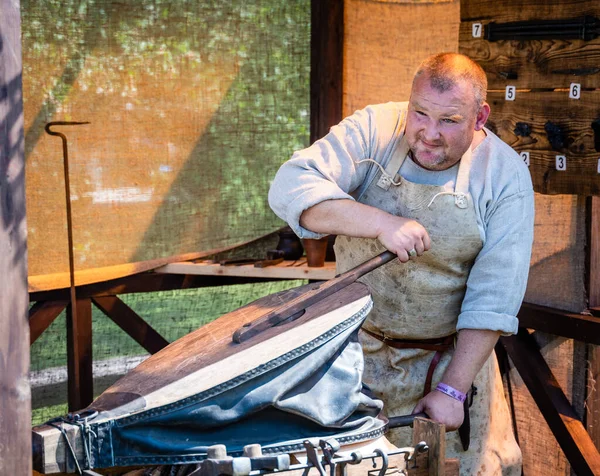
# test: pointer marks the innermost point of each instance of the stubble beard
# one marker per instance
(435, 162)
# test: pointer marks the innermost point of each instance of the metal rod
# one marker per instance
(408, 451)
(404, 420)
(68, 204)
(585, 28)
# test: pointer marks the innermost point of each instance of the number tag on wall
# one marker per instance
(477, 29)
(511, 92)
(561, 162)
(525, 157)
(575, 91)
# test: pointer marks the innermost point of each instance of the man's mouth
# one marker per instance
(430, 145)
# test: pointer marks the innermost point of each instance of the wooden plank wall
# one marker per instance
(542, 122)
(15, 406)
(541, 73)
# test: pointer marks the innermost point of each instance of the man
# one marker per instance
(428, 182)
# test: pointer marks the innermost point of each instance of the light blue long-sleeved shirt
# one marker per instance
(500, 186)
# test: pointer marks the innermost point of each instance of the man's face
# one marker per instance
(440, 126)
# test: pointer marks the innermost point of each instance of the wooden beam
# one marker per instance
(79, 355)
(145, 283)
(552, 402)
(560, 323)
(41, 315)
(128, 320)
(326, 65)
(15, 398)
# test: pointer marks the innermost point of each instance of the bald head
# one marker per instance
(446, 70)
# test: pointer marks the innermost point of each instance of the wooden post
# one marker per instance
(15, 396)
(79, 355)
(326, 63)
(592, 400)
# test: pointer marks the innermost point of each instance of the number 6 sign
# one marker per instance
(575, 91)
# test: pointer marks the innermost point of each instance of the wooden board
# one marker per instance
(573, 117)
(518, 10)
(533, 64)
(283, 270)
(592, 397)
(15, 397)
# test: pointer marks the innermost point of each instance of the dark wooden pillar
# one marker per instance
(15, 397)
(79, 355)
(326, 65)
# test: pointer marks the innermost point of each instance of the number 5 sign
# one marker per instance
(511, 92)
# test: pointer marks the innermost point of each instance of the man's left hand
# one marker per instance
(442, 408)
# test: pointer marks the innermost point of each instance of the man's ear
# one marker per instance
(482, 116)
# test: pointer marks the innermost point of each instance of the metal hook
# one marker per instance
(420, 448)
(313, 457)
(384, 461)
(68, 205)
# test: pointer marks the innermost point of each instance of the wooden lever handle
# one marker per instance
(299, 303)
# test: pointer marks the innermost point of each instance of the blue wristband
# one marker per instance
(451, 392)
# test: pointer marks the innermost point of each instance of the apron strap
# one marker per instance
(464, 171)
(398, 157)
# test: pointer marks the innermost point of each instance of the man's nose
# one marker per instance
(431, 131)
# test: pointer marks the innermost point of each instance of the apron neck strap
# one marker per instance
(464, 170)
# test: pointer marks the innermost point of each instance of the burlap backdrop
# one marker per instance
(384, 42)
(192, 105)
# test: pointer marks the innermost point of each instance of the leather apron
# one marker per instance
(422, 299)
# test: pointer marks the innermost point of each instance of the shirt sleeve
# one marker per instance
(333, 168)
(497, 282)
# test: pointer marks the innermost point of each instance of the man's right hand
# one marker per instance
(401, 235)
(347, 217)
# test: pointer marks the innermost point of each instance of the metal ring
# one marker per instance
(412, 253)
(356, 457)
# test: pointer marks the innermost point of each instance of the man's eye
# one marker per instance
(420, 113)
(449, 121)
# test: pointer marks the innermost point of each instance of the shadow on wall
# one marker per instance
(193, 108)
